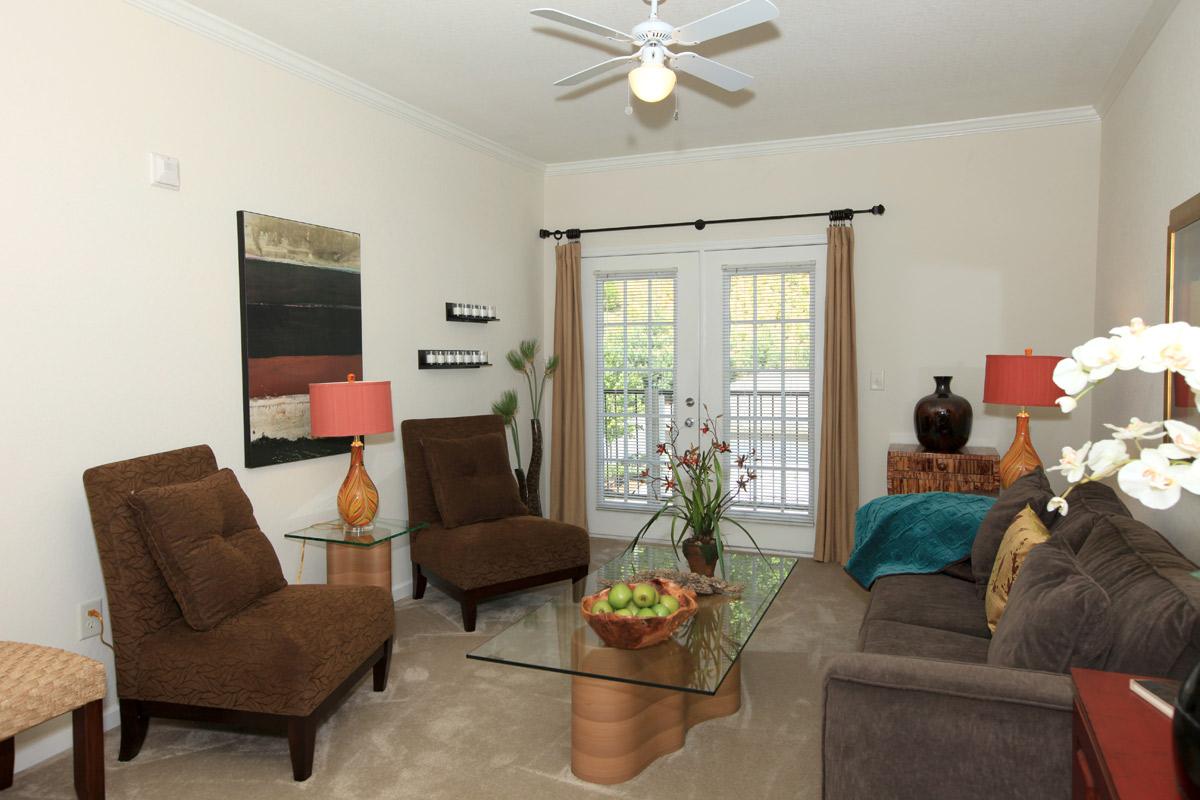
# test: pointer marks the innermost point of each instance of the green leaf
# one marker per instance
(514, 359)
(507, 406)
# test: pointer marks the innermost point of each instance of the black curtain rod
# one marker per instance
(835, 215)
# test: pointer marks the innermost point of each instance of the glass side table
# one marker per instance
(355, 556)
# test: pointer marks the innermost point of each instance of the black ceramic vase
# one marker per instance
(942, 419)
(1187, 736)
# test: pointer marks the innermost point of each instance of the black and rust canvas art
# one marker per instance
(301, 324)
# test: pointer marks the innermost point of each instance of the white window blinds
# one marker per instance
(769, 339)
(636, 355)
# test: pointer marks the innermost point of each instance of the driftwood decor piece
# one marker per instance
(700, 584)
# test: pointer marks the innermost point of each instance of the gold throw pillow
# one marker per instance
(1025, 533)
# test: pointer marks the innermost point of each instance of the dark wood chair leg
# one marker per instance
(302, 743)
(468, 613)
(382, 666)
(7, 755)
(134, 722)
(419, 581)
(87, 723)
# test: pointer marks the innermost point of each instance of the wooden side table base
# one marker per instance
(359, 566)
(619, 729)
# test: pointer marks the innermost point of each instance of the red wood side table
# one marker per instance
(1122, 745)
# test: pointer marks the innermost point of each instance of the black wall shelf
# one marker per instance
(452, 317)
(421, 363)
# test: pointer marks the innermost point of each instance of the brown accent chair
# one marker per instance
(475, 562)
(281, 663)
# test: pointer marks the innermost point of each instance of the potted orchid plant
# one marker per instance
(698, 499)
(1165, 456)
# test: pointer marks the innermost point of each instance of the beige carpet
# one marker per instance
(448, 727)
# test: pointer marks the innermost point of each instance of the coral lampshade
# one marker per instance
(353, 408)
(1025, 380)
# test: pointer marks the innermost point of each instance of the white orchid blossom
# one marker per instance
(1073, 463)
(1107, 457)
(1067, 404)
(1185, 441)
(1152, 479)
(1104, 355)
(1136, 429)
(1136, 327)
(1174, 347)
(1058, 504)
(1070, 376)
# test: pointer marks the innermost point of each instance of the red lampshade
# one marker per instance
(1021, 380)
(350, 408)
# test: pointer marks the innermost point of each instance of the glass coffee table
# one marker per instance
(630, 707)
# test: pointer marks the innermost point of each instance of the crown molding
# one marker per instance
(213, 27)
(911, 133)
(1135, 49)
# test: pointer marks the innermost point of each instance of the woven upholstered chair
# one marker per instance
(282, 662)
(478, 561)
(41, 683)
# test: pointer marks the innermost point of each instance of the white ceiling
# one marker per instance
(823, 67)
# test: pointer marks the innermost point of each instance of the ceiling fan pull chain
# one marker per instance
(628, 99)
(677, 106)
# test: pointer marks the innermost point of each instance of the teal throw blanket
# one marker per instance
(914, 533)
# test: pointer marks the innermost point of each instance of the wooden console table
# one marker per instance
(972, 470)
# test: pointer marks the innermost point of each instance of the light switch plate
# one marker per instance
(876, 380)
(164, 171)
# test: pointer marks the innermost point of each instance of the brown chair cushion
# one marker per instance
(1057, 616)
(282, 654)
(471, 479)
(1155, 600)
(901, 639)
(1031, 489)
(488, 553)
(929, 601)
(204, 538)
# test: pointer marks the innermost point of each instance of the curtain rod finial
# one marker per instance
(878, 210)
(543, 234)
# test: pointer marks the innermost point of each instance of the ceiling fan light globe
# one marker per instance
(652, 82)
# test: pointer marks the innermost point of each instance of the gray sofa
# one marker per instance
(935, 706)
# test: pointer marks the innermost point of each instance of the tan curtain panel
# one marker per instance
(837, 486)
(568, 467)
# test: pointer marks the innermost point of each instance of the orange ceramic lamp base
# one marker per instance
(358, 499)
(1021, 457)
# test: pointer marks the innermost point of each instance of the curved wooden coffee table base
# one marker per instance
(619, 729)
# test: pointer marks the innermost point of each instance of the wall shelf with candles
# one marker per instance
(452, 359)
(470, 312)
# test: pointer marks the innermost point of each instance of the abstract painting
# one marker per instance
(301, 324)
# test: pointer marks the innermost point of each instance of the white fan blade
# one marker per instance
(706, 69)
(746, 14)
(581, 23)
(591, 72)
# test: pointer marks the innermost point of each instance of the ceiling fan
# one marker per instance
(653, 79)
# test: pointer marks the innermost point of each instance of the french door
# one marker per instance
(678, 337)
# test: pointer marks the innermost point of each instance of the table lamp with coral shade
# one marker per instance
(353, 408)
(1023, 381)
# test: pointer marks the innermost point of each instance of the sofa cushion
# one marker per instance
(282, 654)
(931, 601)
(1031, 489)
(1155, 602)
(1087, 502)
(961, 570)
(471, 479)
(1025, 533)
(901, 639)
(487, 553)
(1057, 616)
(206, 542)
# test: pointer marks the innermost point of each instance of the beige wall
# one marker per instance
(988, 246)
(1150, 163)
(121, 323)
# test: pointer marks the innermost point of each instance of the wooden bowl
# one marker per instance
(634, 633)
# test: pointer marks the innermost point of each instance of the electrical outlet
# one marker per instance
(89, 626)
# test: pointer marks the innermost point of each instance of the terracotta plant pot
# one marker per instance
(634, 633)
(698, 552)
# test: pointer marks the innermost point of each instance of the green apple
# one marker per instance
(660, 610)
(670, 602)
(646, 612)
(624, 612)
(602, 607)
(619, 596)
(644, 595)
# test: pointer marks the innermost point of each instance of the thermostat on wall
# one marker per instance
(164, 171)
